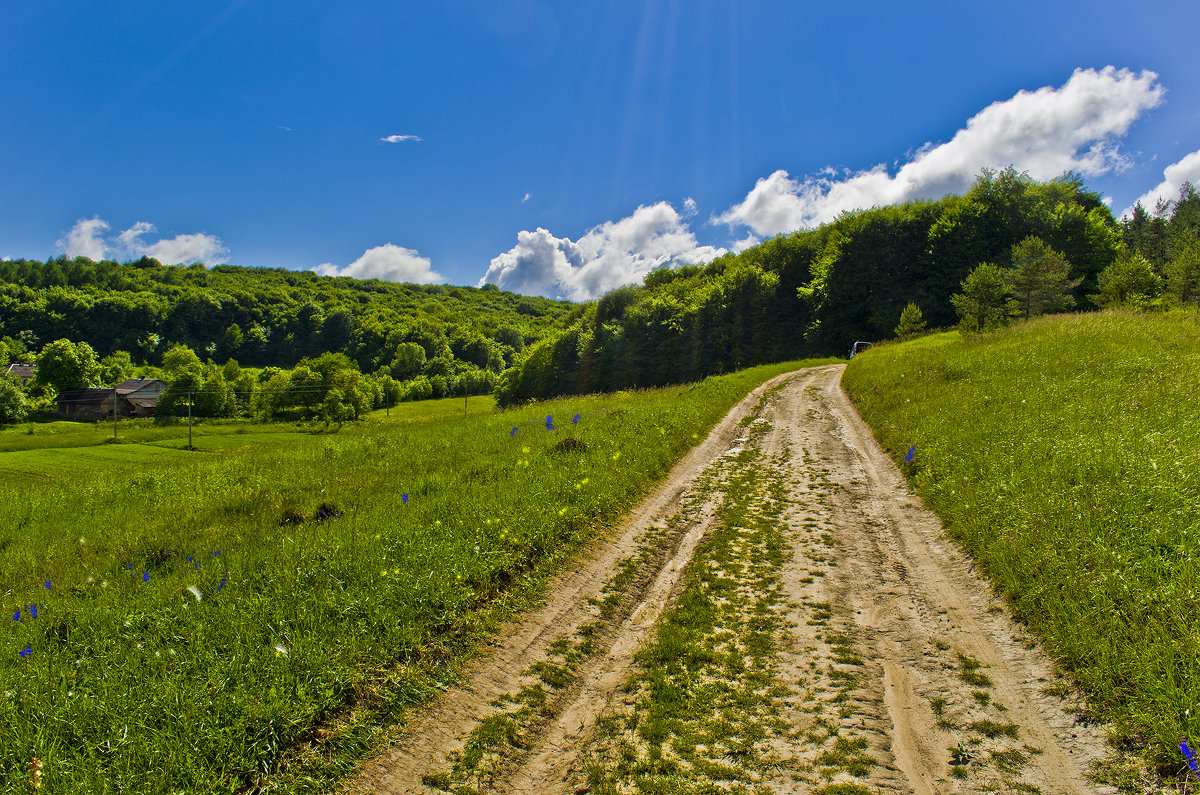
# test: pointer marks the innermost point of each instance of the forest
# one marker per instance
(232, 334)
(1012, 246)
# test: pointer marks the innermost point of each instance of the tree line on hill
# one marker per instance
(1010, 247)
(404, 341)
(1158, 264)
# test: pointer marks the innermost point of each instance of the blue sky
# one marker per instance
(560, 148)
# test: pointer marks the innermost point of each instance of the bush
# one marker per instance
(13, 407)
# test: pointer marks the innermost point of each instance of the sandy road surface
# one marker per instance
(886, 637)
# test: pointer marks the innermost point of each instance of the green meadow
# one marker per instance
(249, 613)
(1064, 454)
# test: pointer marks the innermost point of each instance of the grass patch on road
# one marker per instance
(1065, 455)
(709, 707)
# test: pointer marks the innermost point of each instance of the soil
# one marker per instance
(889, 638)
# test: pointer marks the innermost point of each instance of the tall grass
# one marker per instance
(186, 624)
(1065, 455)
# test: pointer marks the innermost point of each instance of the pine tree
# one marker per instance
(912, 322)
(1040, 278)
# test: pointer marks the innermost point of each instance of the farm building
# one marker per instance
(135, 397)
(85, 404)
(24, 373)
(141, 394)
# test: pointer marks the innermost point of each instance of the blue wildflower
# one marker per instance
(513, 432)
(549, 422)
(189, 559)
(145, 576)
(1189, 756)
(404, 498)
(26, 652)
(17, 615)
(32, 610)
(222, 585)
(216, 553)
(47, 585)
(197, 565)
(911, 454)
(575, 420)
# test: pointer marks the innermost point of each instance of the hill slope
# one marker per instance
(1065, 455)
(265, 316)
(817, 291)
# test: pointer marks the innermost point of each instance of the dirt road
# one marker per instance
(781, 615)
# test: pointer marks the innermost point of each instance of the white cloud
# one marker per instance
(399, 139)
(128, 241)
(186, 249)
(1174, 175)
(86, 239)
(746, 242)
(1044, 132)
(390, 263)
(607, 256)
(525, 199)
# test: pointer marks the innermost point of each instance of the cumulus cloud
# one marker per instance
(399, 139)
(1174, 175)
(607, 256)
(1075, 127)
(87, 239)
(186, 249)
(390, 263)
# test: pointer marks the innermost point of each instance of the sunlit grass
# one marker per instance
(431, 409)
(1065, 455)
(200, 615)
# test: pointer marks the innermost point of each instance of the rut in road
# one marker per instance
(780, 615)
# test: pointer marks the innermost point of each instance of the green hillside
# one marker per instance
(816, 291)
(1065, 455)
(261, 316)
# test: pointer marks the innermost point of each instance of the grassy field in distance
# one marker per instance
(1064, 454)
(188, 623)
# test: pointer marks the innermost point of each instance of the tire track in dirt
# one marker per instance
(895, 660)
(939, 633)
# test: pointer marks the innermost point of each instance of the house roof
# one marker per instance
(138, 384)
(22, 370)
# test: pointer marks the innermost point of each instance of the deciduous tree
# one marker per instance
(12, 401)
(63, 364)
(1130, 281)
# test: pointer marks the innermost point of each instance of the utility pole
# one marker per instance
(114, 415)
(189, 419)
